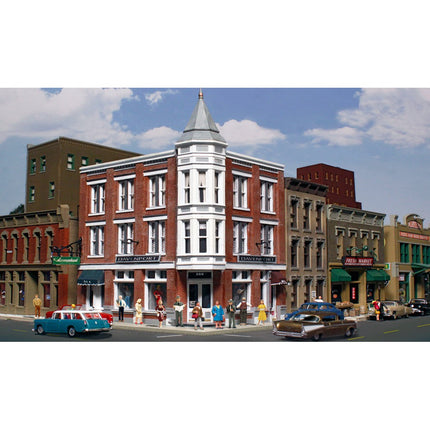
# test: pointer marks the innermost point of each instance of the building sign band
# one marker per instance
(413, 235)
(256, 259)
(357, 261)
(137, 259)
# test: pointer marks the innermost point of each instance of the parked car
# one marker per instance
(419, 306)
(71, 322)
(311, 324)
(319, 307)
(78, 307)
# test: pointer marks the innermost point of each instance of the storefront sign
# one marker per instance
(414, 224)
(255, 259)
(357, 261)
(199, 275)
(66, 260)
(413, 236)
(137, 259)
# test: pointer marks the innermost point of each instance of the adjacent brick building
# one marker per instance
(340, 183)
(26, 267)
(198, 221)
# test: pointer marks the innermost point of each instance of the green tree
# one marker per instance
(18, 210)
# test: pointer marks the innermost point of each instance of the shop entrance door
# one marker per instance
(95, 296)
(200, 291)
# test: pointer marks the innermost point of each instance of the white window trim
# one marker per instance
(124, 178)
(155, 172)
(96, 182)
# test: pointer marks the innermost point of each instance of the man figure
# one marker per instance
(231, 310)
(37, 303)
(243, 308)
(319, 299)
(179, 307)
(121, 305)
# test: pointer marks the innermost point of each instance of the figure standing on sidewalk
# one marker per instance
(197, 314)
(37, 303)
(218, 314)
(121, 305)
(161, 313)
(231, 311)
(262, 314)
(138, 317)
(377, 306)
(179, 307)
(243, 308)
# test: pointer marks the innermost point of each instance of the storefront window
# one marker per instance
(21, 295)
(241, 286)
(46, 295)
(156, 287)
(335, 294)
(125, 287)
(370, 296)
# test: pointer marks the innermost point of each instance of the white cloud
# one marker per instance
(158, 137)
(398, 117)
(248, 133)
(85, 114)
(157, 96)
(345, 136)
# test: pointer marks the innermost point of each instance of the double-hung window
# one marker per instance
(125, 238)
(97, 240)
(187, 198)
(240, 195)
(187, 237)
(266, 192)
(240, 237)
(97, 198)
(158, 191)
(70, 161)
(267, 239)
(217, 187)
(157, 237)
(203, 236)
(202, 186)
(126, 194)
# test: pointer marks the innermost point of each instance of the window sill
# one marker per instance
(96, 214)
(153, 208)
(241, 209)
(122, 211)
(268, 212)
(95, 256)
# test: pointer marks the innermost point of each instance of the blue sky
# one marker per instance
(380, 134)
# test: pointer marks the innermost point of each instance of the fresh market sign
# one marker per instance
(357, 261)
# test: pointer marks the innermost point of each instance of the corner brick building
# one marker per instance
(198, 220)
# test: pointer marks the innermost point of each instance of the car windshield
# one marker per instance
(92, 316)
(305, 317)
(390, 303)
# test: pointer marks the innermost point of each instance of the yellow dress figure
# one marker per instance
(262, 314)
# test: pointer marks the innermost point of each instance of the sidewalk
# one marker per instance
(209, 329)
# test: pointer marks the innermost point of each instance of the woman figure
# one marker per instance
(377, 306)
(197, 315)
(161, 311)
(262, 314)
(218, 314)
(138, 306)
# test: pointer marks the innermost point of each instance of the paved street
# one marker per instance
(415, 329)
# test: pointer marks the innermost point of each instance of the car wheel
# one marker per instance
(71, 331)
(40, 330)
(349, 332)
(394, 316)
(316, 337)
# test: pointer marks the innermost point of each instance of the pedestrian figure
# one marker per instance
(243, 308)
(231, 311)
(197, 314)
(37, 303)
(262, 314)
(377, 306)
(179, 307)
(218, 314)
(121, 305)
(319, 299)
(161, 312)
(138, 317)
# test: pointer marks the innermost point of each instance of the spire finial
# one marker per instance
(201, 94)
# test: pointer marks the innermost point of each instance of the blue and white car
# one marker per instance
(317, 306)
(71, 322)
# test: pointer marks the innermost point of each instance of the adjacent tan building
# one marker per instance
(306, 242)
(407, 254)
(355, 256)
(53, 171)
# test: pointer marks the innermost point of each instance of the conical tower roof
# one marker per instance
(201, 126)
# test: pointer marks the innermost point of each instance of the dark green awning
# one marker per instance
(340, 275)
(374, 275)
(92, 277)
(420, 268)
